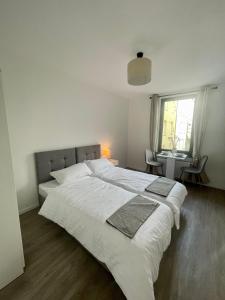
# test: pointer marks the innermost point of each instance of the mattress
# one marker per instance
(46, 187)
(82, 209)
(137, 182)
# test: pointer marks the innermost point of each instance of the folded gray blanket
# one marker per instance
(161, 186)
(128, 218)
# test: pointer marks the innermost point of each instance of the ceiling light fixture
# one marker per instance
(139, 70)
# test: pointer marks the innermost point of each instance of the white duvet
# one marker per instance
(138, 181)
(82, 209)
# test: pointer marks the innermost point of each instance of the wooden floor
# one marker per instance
(193, 267)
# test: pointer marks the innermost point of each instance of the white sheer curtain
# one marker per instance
(199, 122)
(155, 105)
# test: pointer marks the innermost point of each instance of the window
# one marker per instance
(176, 123)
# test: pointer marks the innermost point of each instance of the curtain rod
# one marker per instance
(215, 87)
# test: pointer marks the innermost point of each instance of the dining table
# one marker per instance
(171, 159)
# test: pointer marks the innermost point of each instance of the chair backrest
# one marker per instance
(148, 155)
(202, 163)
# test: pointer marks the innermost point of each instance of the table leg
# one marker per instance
(170, 167)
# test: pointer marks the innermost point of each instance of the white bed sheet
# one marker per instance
(82, 209)
(46, 187)
(138, 181)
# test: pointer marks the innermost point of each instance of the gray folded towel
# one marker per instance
(129, 217)
(161, 186)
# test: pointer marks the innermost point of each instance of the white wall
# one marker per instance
(214, 141)
(11, 251)
(49, 110)
(138, 132)
(213, 145)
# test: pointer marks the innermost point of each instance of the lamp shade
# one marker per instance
(139, 70)
(106, 153)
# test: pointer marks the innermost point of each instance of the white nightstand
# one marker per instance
(115, 162)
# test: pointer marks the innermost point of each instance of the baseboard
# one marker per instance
(28, 208)
(215, 187)
(11, 277)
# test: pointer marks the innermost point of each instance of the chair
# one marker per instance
(196, 171)
(152, 163)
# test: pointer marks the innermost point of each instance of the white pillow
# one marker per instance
(99, 165)
(71, 173)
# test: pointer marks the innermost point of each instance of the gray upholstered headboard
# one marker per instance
(49, 161)
(88, 152)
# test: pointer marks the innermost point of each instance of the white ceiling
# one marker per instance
(93, 40)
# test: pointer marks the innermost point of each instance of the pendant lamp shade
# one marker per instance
(139, 70)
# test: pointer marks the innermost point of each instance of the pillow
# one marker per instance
(99, 165)
(71, 173)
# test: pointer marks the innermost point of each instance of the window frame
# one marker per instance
(171, 98)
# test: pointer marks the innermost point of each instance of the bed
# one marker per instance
(81, 207)
(137, 182)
